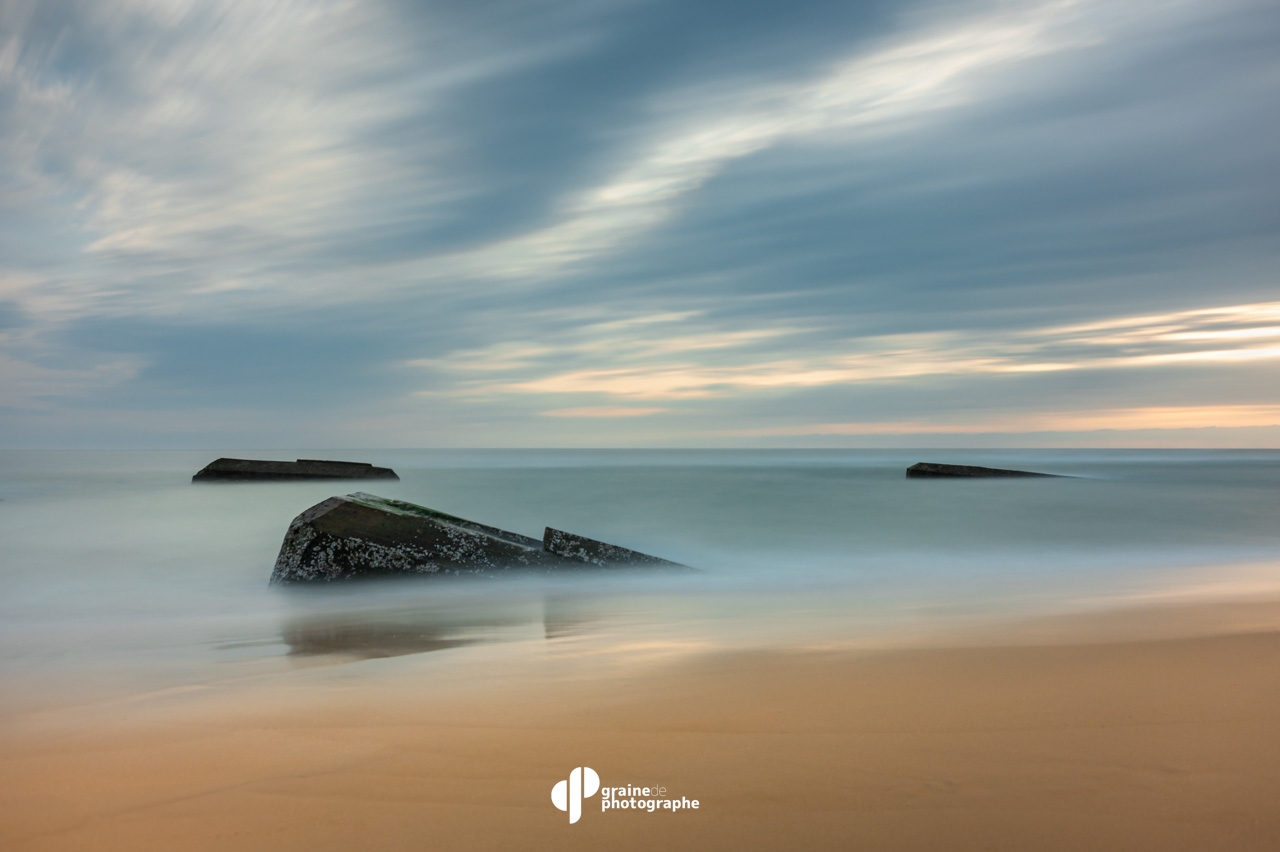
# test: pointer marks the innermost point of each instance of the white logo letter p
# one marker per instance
(568, 795)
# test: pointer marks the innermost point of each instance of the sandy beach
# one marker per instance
(1137, 729)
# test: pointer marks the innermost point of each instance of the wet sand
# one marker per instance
(1146, 729)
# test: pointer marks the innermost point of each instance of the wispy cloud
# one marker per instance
(699, 133)
(216, 151)
(1118, 419)
(635, 220)
(1222, 334)
(602, 411)
(643, 338)
(250, 149)
(26, 385)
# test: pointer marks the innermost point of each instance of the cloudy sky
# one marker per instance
(639, 223)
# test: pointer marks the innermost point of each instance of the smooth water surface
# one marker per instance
(116, 566)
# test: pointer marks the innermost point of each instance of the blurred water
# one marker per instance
(115, 565)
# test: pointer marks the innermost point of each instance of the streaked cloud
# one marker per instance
(699, 133)
(1125, 419)
(602, 411)
(25, 385)
(642, 371)
(635, 221)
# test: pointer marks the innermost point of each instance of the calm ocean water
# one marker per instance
(116, 567)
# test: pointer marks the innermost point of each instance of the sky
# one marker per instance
(635, 223)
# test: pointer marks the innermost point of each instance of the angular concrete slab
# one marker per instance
(587, 550)
(363, 535)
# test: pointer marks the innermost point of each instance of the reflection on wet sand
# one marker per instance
(570, 615)
(366, 640)
(373, 634)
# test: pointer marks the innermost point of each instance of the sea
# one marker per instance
(119, 576)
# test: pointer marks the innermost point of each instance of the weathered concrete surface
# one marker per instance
(232, 470)
(932, 469)
(361, 535)
(581, 549)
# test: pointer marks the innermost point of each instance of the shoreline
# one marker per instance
(1146, 728)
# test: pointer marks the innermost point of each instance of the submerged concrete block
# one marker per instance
(239, 470)
(932, 469)
(362, 535)
(587, 550)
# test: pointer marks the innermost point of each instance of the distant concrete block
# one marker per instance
(932, 469)
(246, 470)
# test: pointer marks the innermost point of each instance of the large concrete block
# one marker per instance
(361, 535)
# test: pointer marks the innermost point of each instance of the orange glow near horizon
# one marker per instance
(1120, 419)
(660, 363)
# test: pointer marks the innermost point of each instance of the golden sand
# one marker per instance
(1151, 730)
